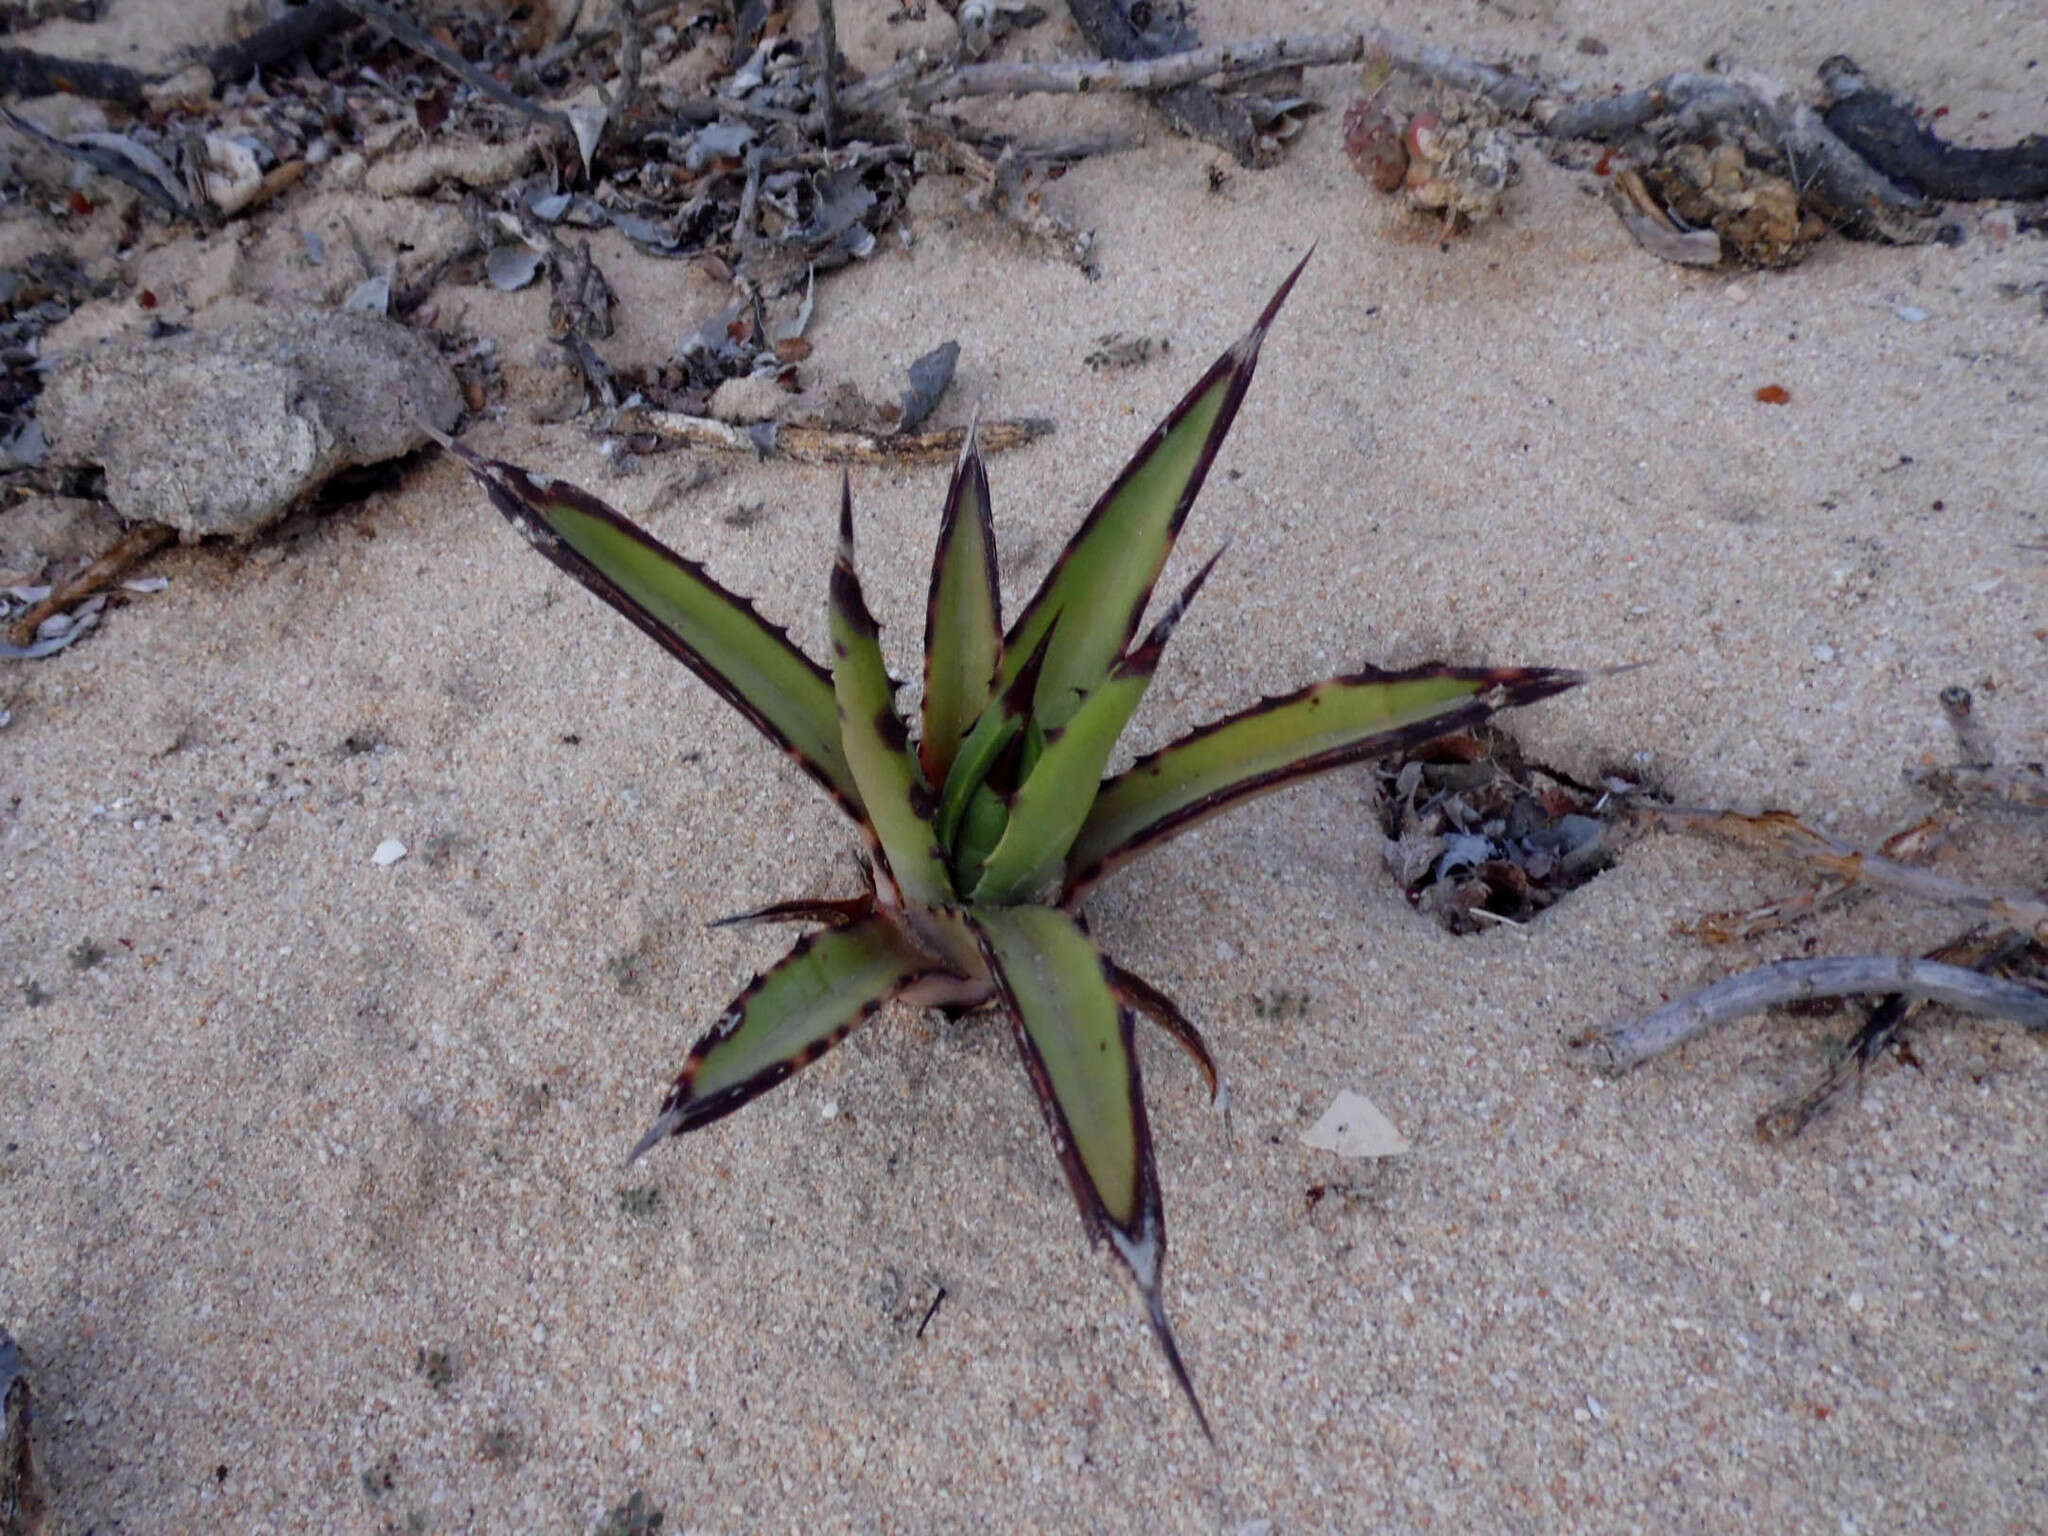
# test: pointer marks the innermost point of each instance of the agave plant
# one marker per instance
(984, 837)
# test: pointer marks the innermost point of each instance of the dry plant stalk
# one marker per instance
(1631, 1042)
(1844, 865)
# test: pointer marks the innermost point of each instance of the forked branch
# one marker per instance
(1631, 1042)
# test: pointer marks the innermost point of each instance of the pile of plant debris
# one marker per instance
(1479, 835)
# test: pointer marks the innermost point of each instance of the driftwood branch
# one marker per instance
(805, 444)
(108, 162)
(1077, 76)
(1981, 949)
(923, 84)
(1631, 1042)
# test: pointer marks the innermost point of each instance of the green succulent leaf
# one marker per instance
(1094, 596)
(963, 622)
(748, 662)
(1075, 1038)
(1281, 741)
(966, 783)
(786, 1019)
(899, 806)
(1053, 802)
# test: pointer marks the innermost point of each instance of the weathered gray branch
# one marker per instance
(1170, 71)
(1631, 1042)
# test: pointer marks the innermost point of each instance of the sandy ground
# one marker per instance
(312, 1215)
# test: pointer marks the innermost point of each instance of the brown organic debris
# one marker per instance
(1480, 836)
(1755, 210)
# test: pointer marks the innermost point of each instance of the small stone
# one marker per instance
(1912, 314)
(219, 432)
(388, 853)
(1823, 653)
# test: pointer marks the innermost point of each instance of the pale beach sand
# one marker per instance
(311, 1117)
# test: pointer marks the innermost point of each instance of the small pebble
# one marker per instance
(1823, 652)
(1912, 314)
(388, 853)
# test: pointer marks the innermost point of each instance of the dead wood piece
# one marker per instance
(1075, 76)
(1631, 1042)
(26, 73)
(292, 33)
(134, 546)
(1783, 834)
(1151, 32)
(582, 42)
(806, 444)
(1613, 116)
(1891, 138)
(109, 161)
(409, 35)
(1133, 65)
(828, 71)
(1981, 949)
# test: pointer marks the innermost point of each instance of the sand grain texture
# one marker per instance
(311, 1118)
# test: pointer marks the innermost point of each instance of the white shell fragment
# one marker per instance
(1354, 1127)
(388, 853)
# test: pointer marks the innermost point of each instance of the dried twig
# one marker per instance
(826, 445)
(630, 51)
(582, 42)
(918, 82)
(1781, 833)
(1981, 949)
(408, 35)
(138, 543)
(26, 73)
(828, 71)
(292, 33)
(1083, 75)
(2023, 786)
(109, 163)
(1631, 1042)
